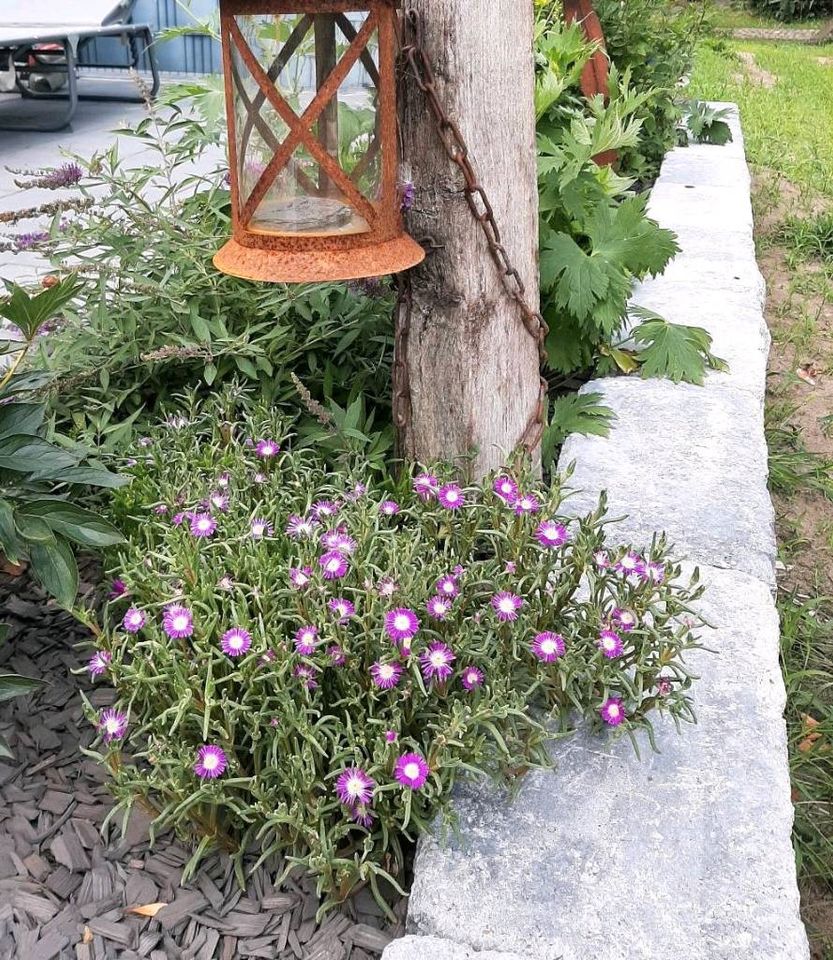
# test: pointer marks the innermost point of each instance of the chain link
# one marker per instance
(483, 213)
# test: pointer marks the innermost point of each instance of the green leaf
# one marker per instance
(33, 529)
(89, 476)
(21, 418)
(28, 312)
(55, 567)
(12, 685)
(581, 413)
(73, 522)
(33, 455)
(579, 280)
(9, 542)
(673, 350)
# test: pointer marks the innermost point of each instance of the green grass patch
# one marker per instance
(736, 18)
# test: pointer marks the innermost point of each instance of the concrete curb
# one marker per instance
(685, 854)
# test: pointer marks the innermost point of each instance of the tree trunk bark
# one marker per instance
(469, 366)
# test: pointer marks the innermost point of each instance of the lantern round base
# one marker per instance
(319, 266)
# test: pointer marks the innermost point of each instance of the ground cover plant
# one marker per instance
(307, 662)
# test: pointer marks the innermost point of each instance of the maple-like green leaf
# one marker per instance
(579, 279)
(673, 350)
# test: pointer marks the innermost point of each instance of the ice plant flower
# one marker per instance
(306, 640)
(99, 662)
(236, 641)
(259, 478)
(447, 586)
(411, 771)
(300, 528)
(334, 565)
(299, 577)
(436, 662)
(177, 622)
(223, 481)
(401, 624)
(324, 509)
(211, 762)
(610, 643)
(438, 607)
(551, 534)
(219, 501)
(612, 711)
(112, 723)
(526, 503)
(391, 736)
(354, 787)
(451, 497)
(389, 508)
(134, 619)
(386, 675)
(625, 620)
(160, 509)
(177, 519)
(266, 449)
(654, 571)
(225, 583)
(426, 486)
(511, 567)
(337, 656)
(630, 564)
(472, 678)
(260, 528)
(664, 686)
(507, 605)
(358, 491)
(506, 488)
(338, 540)
(343, 609)
(118, 588)
(386, 587)
(601, 559)
(307, 675)
(548, 647)
(203, 525)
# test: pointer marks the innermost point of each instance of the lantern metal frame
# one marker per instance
(302, 257)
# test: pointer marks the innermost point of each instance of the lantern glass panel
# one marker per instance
(287, 176)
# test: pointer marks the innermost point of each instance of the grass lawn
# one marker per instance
(736, 17)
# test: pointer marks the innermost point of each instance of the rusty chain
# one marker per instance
(483, 213)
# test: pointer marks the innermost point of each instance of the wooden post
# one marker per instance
(471, 369)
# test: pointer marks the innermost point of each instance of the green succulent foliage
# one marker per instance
(706, 124)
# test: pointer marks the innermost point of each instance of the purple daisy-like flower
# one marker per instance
(436, 662)
(527, 503)
(223, 481)
(625, 620)
(354, 787)
(510, 567)
(361, 816)
(266, 449)
(342, 608)
(177, 622)
(387, 587)
(203, 525)
(112, 723)
(306, 640)
(178, 519)
(340, 541)
(358, 491)
(300, 528)
(610, 643)
(601, 559)
(506, 488)
(134, 619)
(439, 607)
(507, 605)
(219, 501)
(307, 675)
(99, 662)
(324, 509)
(259, 478)
(551, 534)
(118, 588)
(386, 675)
(654, 571)
(472, 678)
(548, 647)
(401, 624)
(451, 497)
(389, 508)
(612, 711)
(411, 771)
(299, 577)
(269, 657)
(261, 528)
(426, 486)
(337, 656)
(225, 583)
(447, 586)
(630, 565)
(236, 641)
(391, 736)
(211, 762)
(160, 509)
(334, 565)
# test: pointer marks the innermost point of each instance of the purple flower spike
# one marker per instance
(300, 577)
(324, 509)
(507, 605)
(236, 642)
(307, 675)
(389, 508)
(551, 534)
(625, 620)
(612, 711)
(334, 565)
(610, 643)
(411, 771)
(447, 586)
(300, 528)
(426, 486)
(112, 723)
(386, 675)
(178, 622)
(266, 449)
(527, 503)
(99, 662)
(118, 588)
(306, 640)
(401, 624)
(472, 678)
(438, 607)
(451, 497)
(436, 662)
(203, 525)
(337, 656)
(548, 647)
(211, 762)
(134, 620)
(506, 488)
(261, 528)
(343, 609)
(354, 787)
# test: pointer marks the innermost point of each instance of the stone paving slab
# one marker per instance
(433, 948)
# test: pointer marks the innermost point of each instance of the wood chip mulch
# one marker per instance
(67, 881)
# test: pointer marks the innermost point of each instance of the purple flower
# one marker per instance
(112, 723)
(511, 567)
(354, 787)
(630, 564)
(386, 587)
(134, 620)
(358, 491)
(324, 509)
(219, 501)
(343, 609)
(401, 624)
(447, 586)
(225, 583)
(177, 519)
(259, 478)
(655, 571)
(436, 662)
(391, 736)
(527, 503)
(610, 643)
(601, 559)
(301, 528)
(307, 674)
(67, 175)
(625, 620)
(118, 588)
(506, 488)
(267, 449)
(612, 711)
(451, 497)
(337, 656)
(223, 481)
(548, 647)
(438, 607)
(99, 662)
(426, 486)
(25, 241)
(386, 675)
(177, 622)
(203, 525)
(160, 509)
(299, 577)
(664, 686)
(269, 657)
(389, 508)
(211, 762)
(306, 640)
(411, 771)
(338, 540)
(507, 605)
(334, 565)
(551, 534)
(472, 678)
(236, 642)
(363, 817)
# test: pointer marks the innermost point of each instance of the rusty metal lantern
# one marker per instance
(313, 142)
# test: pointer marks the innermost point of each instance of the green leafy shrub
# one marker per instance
(793, 9)
(303, 626)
